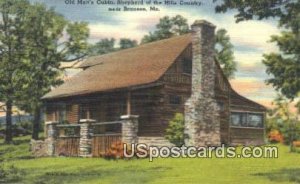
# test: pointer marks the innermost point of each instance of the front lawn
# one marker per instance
(17, 166)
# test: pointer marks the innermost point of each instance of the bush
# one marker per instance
(288, 129)
(274, 123)
(275, 137)
(116, 151)
(175, 130)
(290, 132)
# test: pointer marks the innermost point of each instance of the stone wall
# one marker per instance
(52, 134)
(38, 148)
(129, 129)
(202, 121)
(155, 141)
(85, 142)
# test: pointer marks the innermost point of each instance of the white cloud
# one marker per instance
(134, 25)
(248, 59)
(255, 34)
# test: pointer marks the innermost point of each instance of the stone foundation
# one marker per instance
(155, 141)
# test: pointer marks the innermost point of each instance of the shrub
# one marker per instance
(274, 123)
(275, 136)
(175, 130)
(290, 132)
(288, 129)
(116, 151)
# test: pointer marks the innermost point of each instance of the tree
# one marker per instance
(45, 49)
(224, 53)
(175, 130)
(169, 27)
(103, 46)
(284, 66)
(106, 45)
(248, 10)
(11, 52)
(126, 43)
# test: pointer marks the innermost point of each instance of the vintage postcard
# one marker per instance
(149, 91)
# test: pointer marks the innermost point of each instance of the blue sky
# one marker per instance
(250, 38)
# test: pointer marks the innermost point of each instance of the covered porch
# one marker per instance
(89, 138)
(89, 126)
(109, 107)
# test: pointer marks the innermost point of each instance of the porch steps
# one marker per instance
(155, 141)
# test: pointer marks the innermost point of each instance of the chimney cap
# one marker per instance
(203, 22)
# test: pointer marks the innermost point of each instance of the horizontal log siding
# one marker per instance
(147, 104)
(176, 83)
(223, 97)
(246, 136)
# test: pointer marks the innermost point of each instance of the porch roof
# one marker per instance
(141, 65)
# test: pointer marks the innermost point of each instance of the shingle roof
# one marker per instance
(126, 68)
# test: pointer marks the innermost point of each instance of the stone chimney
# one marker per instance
(202, 122)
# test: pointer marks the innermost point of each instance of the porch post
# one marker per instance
(85, 142)
(51, 132)
(128, 103)
(129, 129)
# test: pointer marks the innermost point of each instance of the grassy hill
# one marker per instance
(17, 166)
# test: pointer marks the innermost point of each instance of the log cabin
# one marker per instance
(151, 83)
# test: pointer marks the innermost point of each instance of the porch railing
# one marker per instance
(67, 142)
(89, 138)
(104, 135)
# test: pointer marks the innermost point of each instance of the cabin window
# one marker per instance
(61, 113)
(93, 112)
(187, 66)
(239, 119)
(174, 99)
(84, 112)
(255, 120)
(244, 119)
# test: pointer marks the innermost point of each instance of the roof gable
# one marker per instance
(131, 67)
(222, 83)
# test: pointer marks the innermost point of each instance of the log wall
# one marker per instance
(247, 136)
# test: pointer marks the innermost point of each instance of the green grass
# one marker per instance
(22, 168)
